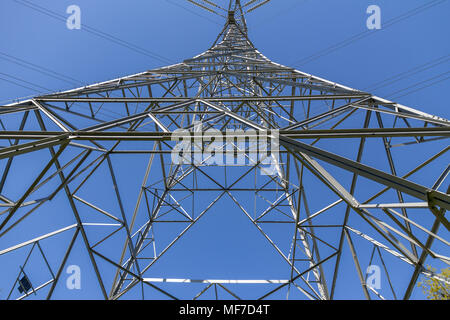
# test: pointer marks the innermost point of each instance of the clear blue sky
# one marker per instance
(286, 31)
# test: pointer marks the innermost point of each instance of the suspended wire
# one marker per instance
(392, 95)
(214, 5)
(23, 86)
(17, 99)
(403, 75)
(202, 6)
(249, 3)
(380, 84)
(102, 111)
(205, 7)
(421, 88)
(97, 32)
(40, 69)
(37, 68)
(18, 84)
(257, 6)
(25, 81)
(423, 67)
(420, 83)
(366, 33)
(193, 12)
(256, 3)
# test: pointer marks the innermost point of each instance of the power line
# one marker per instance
(249, 3)
(405, 74)
(419, 83)
(39, 69)
(392, 95)
(193, 12)
(366, 33)
(17, 99)
(214, 5)
(96, 32)
(18, 84)
(421, 88)
(25, 81)
(256, 6)
(23, 86)
(408, 73)
(103, 111)
(206, 7)
(377, 85)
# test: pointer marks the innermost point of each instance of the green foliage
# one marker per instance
(436, 289)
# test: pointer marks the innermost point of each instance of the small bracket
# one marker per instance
(231, 18)
(439, 214)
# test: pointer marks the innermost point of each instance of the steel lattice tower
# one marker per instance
(336, 194)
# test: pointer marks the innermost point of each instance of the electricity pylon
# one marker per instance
(89, 174)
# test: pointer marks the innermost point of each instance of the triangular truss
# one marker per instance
(336, 193)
